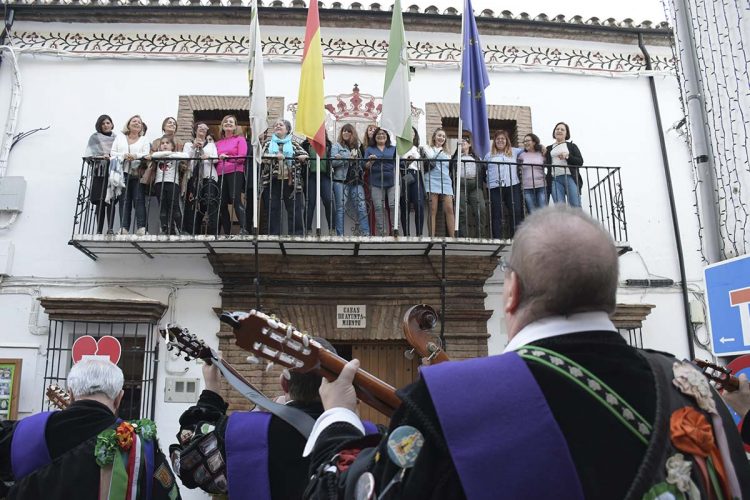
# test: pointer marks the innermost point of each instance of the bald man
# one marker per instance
(569, 410)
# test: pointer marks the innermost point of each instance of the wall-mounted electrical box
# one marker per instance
(12, 192)
(181, 390)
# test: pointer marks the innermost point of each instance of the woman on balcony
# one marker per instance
(203, 194)
(282, 179)
(504, 184)
(438, 180)
(369, 141)
(564, 156)
(348, 180)
(311, 186)
(532, 173)
(129, 149)
(412, 189)
(472, 214)
(232, 150)
(97, 154)
(381, 157)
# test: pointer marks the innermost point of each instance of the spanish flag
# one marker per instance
(310, 120)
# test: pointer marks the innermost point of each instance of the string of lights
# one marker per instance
(723, 80)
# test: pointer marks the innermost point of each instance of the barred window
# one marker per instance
(130, 318)
(138, 361)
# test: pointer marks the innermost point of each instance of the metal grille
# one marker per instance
(140, 355)
(634, 336)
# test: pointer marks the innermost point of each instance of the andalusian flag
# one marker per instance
(396, 117)
(257, 84)
(310, 119)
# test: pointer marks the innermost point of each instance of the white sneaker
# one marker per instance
(123, 231)
(141, 231)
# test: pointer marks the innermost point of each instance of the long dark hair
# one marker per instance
(536, 141)
(353, 138)
(99, 122)
(373, 142)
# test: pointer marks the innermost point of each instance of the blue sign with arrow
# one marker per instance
(728, 297)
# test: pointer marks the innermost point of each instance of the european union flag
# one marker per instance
(474, 80)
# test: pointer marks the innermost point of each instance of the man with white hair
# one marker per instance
(569, 410)
(51, 455)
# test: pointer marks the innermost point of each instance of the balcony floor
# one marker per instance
(96, 246)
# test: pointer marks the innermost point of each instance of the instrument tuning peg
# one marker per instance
(409, 354)
(187, 357)
(269, 366)
(252, 359)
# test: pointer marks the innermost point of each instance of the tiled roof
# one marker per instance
(430, 10)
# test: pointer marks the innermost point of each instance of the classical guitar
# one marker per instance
(58, 397)
(720, 376)
(191, 347)
(419, 322)
(283, 344)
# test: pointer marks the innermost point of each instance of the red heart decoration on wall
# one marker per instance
(89, 346)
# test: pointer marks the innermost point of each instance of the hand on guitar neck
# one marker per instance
(734, 390)
(283, 344)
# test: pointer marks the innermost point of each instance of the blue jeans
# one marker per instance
(563, 185)
(133, 192)
(350, 195)
(536, 198)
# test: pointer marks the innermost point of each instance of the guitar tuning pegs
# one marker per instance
(252, 359)
(269, 366)
(187, 357)
(409, 354)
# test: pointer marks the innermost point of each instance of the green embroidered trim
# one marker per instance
(625, 413)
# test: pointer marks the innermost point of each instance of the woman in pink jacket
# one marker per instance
(232, 149)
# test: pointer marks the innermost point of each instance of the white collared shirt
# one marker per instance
(554, 326)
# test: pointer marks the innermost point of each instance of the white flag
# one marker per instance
(257, 84)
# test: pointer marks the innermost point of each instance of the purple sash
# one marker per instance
(246, 445)
(370, 428)
(28, 448)
(502, 436)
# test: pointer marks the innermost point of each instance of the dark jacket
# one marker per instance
(73, 473)
(575, 159)
(287, 469)
(606, 455)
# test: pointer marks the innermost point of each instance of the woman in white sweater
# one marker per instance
(129, 148)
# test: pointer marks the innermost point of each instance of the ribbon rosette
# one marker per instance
(691, 382)
(692, 433)
(124, 435)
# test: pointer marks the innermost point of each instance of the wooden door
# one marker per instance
(386, 361)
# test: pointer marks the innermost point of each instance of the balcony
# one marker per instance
(187, 227)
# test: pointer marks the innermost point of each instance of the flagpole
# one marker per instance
(457, 208)
(397, 203)
(317, 193)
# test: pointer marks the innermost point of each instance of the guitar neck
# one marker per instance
(370, 389)
(226, 364)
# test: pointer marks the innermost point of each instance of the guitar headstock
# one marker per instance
(275, 341)
(185, 342)
(58, 397)
(720, 376)
(418, 325)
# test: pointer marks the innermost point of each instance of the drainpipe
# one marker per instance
(697, 121)
(670, 192)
